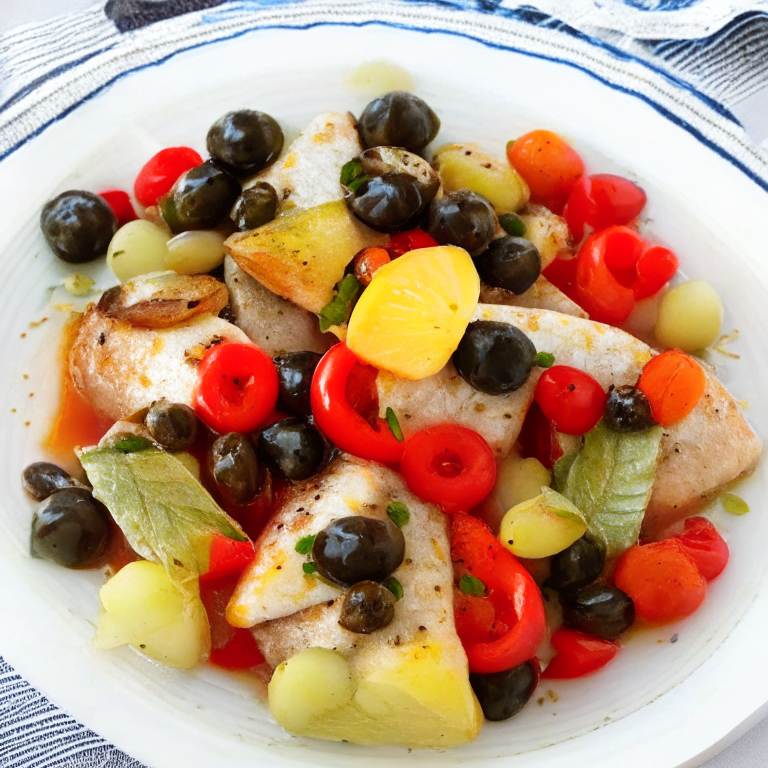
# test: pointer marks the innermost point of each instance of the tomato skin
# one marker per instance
(578, 654)
(549, 165)
(537, 437)
(337, 418)
(474, 617)
(705, 545)
(449, 465)
(227, 558)
(120, 204)
(475, 550)
(241, 652)
(236, 389)
(570, 398)
(412, 240)
(162, 171)
(673, 383)
(601, 201)
(662, 579)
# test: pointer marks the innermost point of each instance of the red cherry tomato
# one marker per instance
(662, 579)
(227, 558)
(412, 240)
(241, 652)
(570, 398)
(449, 465)
(578, 654)
(236, 388)
(342, 384)
(549, 165)
(120, 204)
(705, 545)
(162, 171)
(601, 201)
(475, 619)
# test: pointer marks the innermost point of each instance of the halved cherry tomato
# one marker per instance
(227, 558)
(475, 618)
(120, 204)
(662, 579)
(236, 388)
(241, 652)
(578, 654)
(449, 465)
(475, 550)
(601, 201)
(337, 418)
(162, 171)
(549, 165)
(572, 399)
(673, 383)
(412, 240)
(538, 439)
(368, 262)
(705, 545)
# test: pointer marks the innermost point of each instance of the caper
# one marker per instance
(462, 218)
(398, 119)
(42, 478)
(627, 410)
(358, 548)
(70, 528)
(368, 606)
(78, 225)
(233, 465)
(599, 610)
(255, 207)
(575, 567)
(294, 374)
(245, 141)
(172, 425)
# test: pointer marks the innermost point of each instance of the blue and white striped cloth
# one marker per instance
(713, 50)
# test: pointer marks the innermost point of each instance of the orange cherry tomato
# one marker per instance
(368, 262)
(662, 579)
(549, 165)
(673, 383)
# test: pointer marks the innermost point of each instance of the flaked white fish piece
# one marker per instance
(709, 448)
(541, 295)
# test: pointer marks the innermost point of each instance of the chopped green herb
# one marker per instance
(337, 311)
(309, 568)
(77, 284)
(544, 360)
(398, 513)
(353, 176)
(471, 585)
(734, 504)
(394, 425)
(394, 586)
(512, 225)
(132, 444)
(304, 545)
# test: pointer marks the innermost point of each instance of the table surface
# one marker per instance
(751, 749)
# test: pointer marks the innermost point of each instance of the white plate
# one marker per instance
(661, 703)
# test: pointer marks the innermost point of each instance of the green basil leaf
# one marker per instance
(163, 510)
(610, 481)
(132, 444)
(398, 513)
(471, 585)
(304, 545)
(337, 311)
(309, 568)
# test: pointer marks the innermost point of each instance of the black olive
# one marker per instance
(172, 425)
(599, 610)
(70, 528)
(368, 606)
(462, 218)
(78, 225)
(398, 119)
(358, 548)
(255, 207)
(233, 465)
(245, 141)
(201, 199)
(628, 410)
(294, 374)
(575, 567)
(504, 694)
(293, 447)
(512, 263)
(42, 478)
(494, 358)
